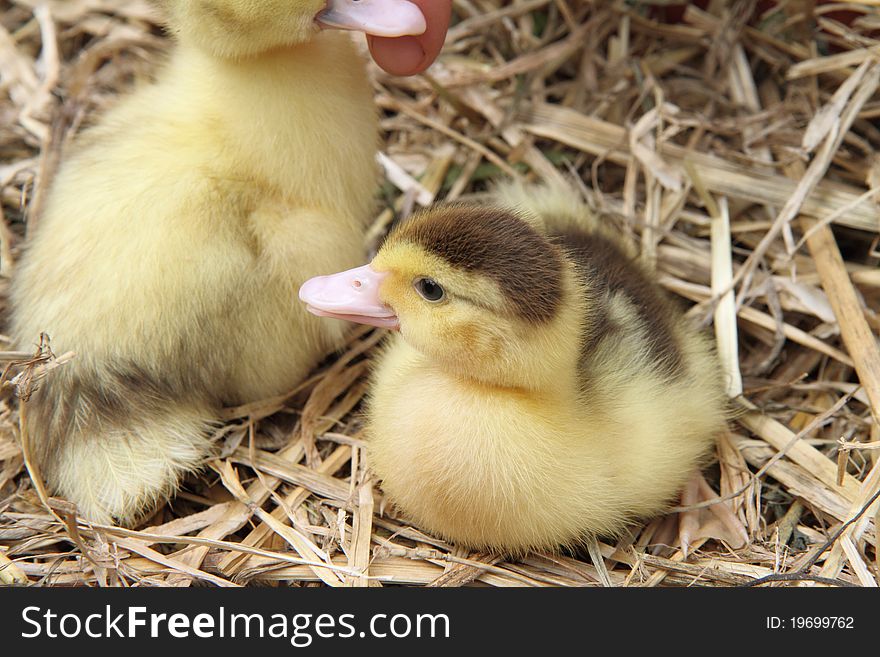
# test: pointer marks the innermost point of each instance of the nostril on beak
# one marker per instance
(357, 284)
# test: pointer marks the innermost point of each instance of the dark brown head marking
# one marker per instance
(605, 267)
(498, 244)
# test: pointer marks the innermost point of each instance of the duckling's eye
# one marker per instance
(429, 289)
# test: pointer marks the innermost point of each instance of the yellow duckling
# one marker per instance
(541, 388)
(180, 227)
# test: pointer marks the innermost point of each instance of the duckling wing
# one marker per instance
(624, 304)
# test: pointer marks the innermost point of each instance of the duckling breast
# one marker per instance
(487, 468)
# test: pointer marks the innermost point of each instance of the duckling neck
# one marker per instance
(547, 383)
(266, 110)
(542, 359)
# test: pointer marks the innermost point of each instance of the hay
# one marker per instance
(739, 147)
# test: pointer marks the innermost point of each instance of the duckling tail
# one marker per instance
(115, 443)
(558, 210)
(552, 208)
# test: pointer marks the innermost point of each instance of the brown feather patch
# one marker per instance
(498, 244)
(605, 267)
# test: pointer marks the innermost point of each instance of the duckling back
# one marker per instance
(646, 372)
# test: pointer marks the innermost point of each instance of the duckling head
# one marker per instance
(476, 290)
(240, 28)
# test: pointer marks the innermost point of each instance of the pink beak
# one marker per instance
(352, 295)
(383, 18)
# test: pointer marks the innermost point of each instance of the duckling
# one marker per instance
(178, 230)
(540, 388)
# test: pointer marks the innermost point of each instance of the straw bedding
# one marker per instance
(737, 141)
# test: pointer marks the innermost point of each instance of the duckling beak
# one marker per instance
(352, 295)
(383, 18)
